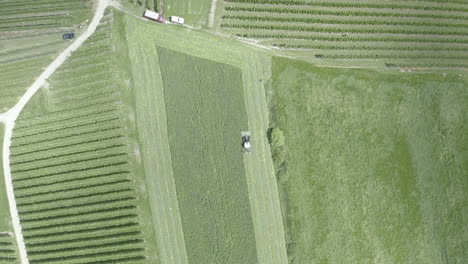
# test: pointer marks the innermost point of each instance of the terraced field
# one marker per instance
(31, 37)
(8, 251)
(77, 186)
(396, 33)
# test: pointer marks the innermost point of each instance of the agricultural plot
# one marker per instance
(205, 114)
(30, 38)
(152, 123)
(375, 164)
(394, 34)
(8, 251)
(4, 208)
(78, 187)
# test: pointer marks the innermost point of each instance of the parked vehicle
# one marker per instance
(154, 16)
(177, 20)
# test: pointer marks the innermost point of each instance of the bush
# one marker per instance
(277, 137)
(278, 155)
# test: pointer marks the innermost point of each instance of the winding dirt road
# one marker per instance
(11, 115)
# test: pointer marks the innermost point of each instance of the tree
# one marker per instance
(277, 137)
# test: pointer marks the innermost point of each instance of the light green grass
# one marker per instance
(376, 165)
(151, 122)
(5, 224)
(206, 112)
(261, 178)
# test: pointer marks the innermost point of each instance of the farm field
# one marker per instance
(152, 133)
(78, 185)
(204, 124)
(131, 150)
(8, 249)
(4, 212)
(383, 33)
(142, 39)
(375, 164)
(30, 38)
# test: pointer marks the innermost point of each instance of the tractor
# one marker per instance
(246, 141)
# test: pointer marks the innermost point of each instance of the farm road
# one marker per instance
(11, 115)
(261, 178)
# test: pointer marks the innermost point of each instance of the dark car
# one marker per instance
(69, 36)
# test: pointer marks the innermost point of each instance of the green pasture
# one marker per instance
(4, 208)
(375, 165)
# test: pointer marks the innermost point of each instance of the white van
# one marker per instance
(177, 20)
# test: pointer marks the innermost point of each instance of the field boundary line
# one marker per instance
(9, 119)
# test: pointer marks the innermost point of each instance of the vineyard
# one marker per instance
(397, 33)
(30, 38)
(8, 249)
(76, 185)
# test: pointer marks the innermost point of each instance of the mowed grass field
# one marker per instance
(143, 38)
(376, 164)
(31, 37)
(342, 32)
(206, 112)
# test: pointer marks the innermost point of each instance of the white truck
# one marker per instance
(177, 20)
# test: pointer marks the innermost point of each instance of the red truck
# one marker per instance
(154, 16)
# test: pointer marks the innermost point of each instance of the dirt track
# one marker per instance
(11, 115)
